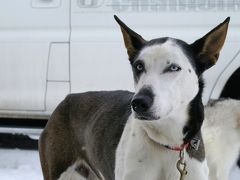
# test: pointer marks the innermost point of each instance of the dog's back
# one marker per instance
(87, 122)
(221, 134)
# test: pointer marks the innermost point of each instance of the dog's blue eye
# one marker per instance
(139, 67)
(174, 67)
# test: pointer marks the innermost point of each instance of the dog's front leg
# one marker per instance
(137, 174)
(133, 159)
(138, 166)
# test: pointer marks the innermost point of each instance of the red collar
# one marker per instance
(182, 147)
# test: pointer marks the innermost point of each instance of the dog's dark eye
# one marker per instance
(174, 67)
(139, 67)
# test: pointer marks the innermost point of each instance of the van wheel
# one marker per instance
(232, 87)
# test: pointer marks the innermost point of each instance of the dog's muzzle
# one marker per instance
(141, 104)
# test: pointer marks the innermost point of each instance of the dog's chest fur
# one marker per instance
(140, 158)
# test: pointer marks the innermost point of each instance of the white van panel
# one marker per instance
(58, 69)
(58, 80)
(46, 3)
(56, 92)
(19, 15)
(23, 75)
(99, 66)
(27, 29)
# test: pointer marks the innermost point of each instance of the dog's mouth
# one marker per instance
(148, 117)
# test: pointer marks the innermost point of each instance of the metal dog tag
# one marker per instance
(195, 143)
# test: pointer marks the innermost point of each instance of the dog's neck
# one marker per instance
(167, 131)
(196, 115)
(170, 133)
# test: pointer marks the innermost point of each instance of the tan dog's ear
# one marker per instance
(208, 47)
(133, 41)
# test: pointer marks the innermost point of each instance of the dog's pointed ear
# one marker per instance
(133, 41)
(208, 47)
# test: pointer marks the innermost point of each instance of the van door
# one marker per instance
(29, 30)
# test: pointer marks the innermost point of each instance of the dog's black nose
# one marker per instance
(141, 103)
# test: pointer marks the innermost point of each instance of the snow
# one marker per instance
(18, 164)
(235, 175)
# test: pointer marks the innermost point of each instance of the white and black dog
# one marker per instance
(137, 136)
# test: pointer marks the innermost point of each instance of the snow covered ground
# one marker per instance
(19, 165)
(24, 165)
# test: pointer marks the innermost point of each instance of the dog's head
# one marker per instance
(167, 71)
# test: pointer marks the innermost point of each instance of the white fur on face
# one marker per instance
(173, 90)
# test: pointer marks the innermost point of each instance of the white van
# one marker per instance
(49, 48)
